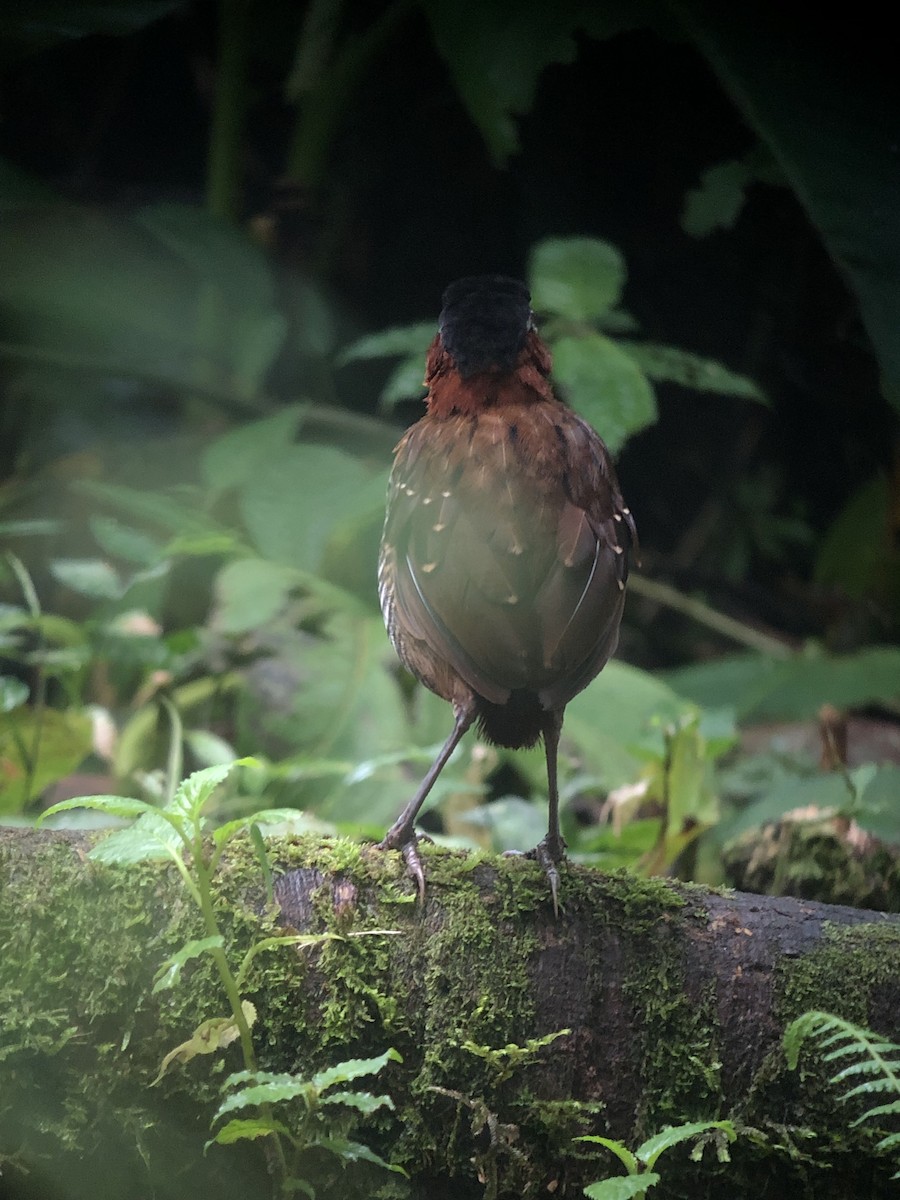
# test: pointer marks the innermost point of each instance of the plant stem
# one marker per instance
(699, 611)
(229, 110)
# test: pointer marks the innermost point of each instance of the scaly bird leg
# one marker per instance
(552, 850)
(402, 834)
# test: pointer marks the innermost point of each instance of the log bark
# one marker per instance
(674, 999)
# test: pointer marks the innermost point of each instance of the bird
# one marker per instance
(505, 550)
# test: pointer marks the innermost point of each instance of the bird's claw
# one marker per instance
(548, 854)
(407, 842)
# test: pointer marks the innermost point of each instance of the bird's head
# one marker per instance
(484, 322)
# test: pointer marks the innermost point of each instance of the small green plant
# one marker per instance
(639, 1163)
(180, 832)
(861, 1055)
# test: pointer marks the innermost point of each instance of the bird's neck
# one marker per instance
(451, 394)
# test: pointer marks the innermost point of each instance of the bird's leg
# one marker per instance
(552, 850)
(402, 834)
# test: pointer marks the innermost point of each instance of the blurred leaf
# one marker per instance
(171, 297)
(878, 811)
(178, 517)
(122, 541)
(859, 565)
(717, 202)
(668, 364)
(241, 454)
(577, 278)
(150, 839)
(760, 688)
(208, 748)
(831, 125)
(292, 509)
(249, 592)
(35, 24)
(13, 693)
(823, 791)
(404, 383)
(255, 1127)
(88, 576)
(608, 719)
(605, 386)
(514, 823)
(496, 52)
(60, 742)
(403, 340)
(169, 971)
(210, 1036)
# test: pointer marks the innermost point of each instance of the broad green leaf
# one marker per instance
(757, 687)
(879, 809)
(825, 791)
(605, 386)
(296, 505)
(580, 279)
(36, 749)
(88, 576)
(178, 517)
(240, 455)
(13, 693)
(622, 1187)
(405, 340)
(249, 592)
(650, 1150)
(208, 748)
(619, 1149)
(170, 971)
(353, 1068)
(268, 1089)
(671, 365)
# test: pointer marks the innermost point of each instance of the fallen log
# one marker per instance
(673, 1000)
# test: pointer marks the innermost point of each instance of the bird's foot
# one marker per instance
(405, 839)
(548, 854)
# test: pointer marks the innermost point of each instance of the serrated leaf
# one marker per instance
(650, 1150)
(214, 1034)
(151, 838)
(248, 1128)
(125, 807)
(353, 1068)
(356, 1152)
(580, 279)
(364, 1102)
(169, 972)
(194, 791)
(669, 364)
(605, 386)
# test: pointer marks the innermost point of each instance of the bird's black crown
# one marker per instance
(484, 322)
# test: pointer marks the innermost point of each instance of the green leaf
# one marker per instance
(149, 839)
(249, 592)
(406, 340)
(580, 279)
(356, 1152)
(123, 541)
(240, 455)
(858, 565)
(13, 693)
(619, 1149)
(403, 383)
(826, 791)
(123, 807)
(496, 52)
(51, 743)
(268, 1089)
(292, 509)
(650, 1150)
(668, 364)
(251, 1128)
(215, 1034)
(622, 1187)
(36, 26)
(878, 811)
(717, 202)
(182, 518)
(169, 971)
(605, 386)
(88, 576)
(353, 1068)
(194, 792)
(364, 1102)
(757, 687)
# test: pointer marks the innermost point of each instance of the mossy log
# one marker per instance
(674, 999)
